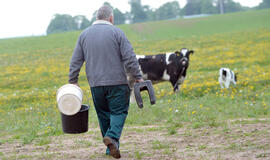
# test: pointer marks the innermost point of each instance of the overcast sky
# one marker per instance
(32, 17)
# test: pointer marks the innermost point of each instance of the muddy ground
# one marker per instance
(237, 140)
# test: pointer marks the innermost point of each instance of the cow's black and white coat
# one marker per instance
(226, 76)
(165, 67)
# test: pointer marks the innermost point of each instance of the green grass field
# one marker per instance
(33, 68)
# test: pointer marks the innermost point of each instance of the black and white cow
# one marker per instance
(165, 67)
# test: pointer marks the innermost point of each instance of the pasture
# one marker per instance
(202, 121)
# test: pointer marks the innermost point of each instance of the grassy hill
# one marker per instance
(185, 28)
(33, 68)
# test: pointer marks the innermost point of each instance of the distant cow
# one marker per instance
(226, 76)
(165, 67)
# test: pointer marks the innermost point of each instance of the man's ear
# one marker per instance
(191, 51)
(111, 19)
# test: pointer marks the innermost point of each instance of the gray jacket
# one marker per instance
(108, 56)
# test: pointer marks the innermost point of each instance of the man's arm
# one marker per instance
(129, 58)
(76, 63)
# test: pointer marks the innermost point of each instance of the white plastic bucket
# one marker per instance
(69, 98)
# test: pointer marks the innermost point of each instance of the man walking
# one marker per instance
(108, 55)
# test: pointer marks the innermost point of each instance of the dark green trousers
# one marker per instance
(111, 104)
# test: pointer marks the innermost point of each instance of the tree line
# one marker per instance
(143, 13)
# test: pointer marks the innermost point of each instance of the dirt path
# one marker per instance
(240, 140)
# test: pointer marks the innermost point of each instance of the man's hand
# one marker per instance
(139, 80)
(77, 84)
